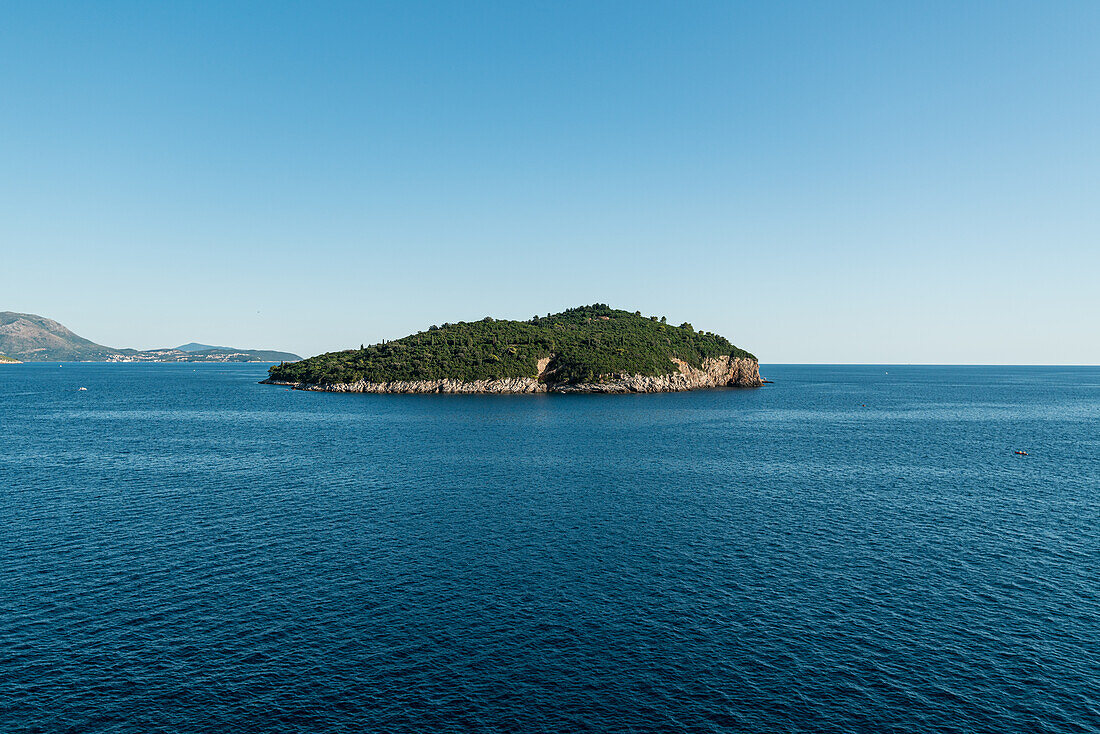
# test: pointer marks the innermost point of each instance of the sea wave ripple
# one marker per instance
(182, 550)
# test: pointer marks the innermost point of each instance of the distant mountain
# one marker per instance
(261, 355)
(32, 338)
(230, 354)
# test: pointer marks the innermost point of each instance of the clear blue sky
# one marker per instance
(821, 182)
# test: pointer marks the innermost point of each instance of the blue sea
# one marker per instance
(849, 549)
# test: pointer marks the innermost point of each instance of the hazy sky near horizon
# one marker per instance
(820, 182)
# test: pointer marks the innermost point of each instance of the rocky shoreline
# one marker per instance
(715, 372)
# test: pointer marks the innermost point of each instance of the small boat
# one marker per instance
(82, 389)
(1022, 453)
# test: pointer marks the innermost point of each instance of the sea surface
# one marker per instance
(849, 549)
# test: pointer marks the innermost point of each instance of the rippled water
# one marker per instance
(183, 550)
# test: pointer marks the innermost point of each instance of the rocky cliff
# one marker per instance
(715, 372)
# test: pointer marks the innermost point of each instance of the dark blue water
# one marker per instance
(183, 550)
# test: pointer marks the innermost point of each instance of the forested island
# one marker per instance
(586, 349)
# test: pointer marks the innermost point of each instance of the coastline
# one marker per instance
(715, 372)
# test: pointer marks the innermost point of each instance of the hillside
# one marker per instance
(217, 354)
(590, 345)
(32, 338)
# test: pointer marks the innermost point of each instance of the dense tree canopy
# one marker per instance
(585, 344)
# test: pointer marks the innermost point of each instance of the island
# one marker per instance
(591, 349)
(4, 359)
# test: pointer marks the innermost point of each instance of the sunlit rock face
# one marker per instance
(714, 372)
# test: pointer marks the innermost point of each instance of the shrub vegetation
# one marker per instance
(585, 344)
